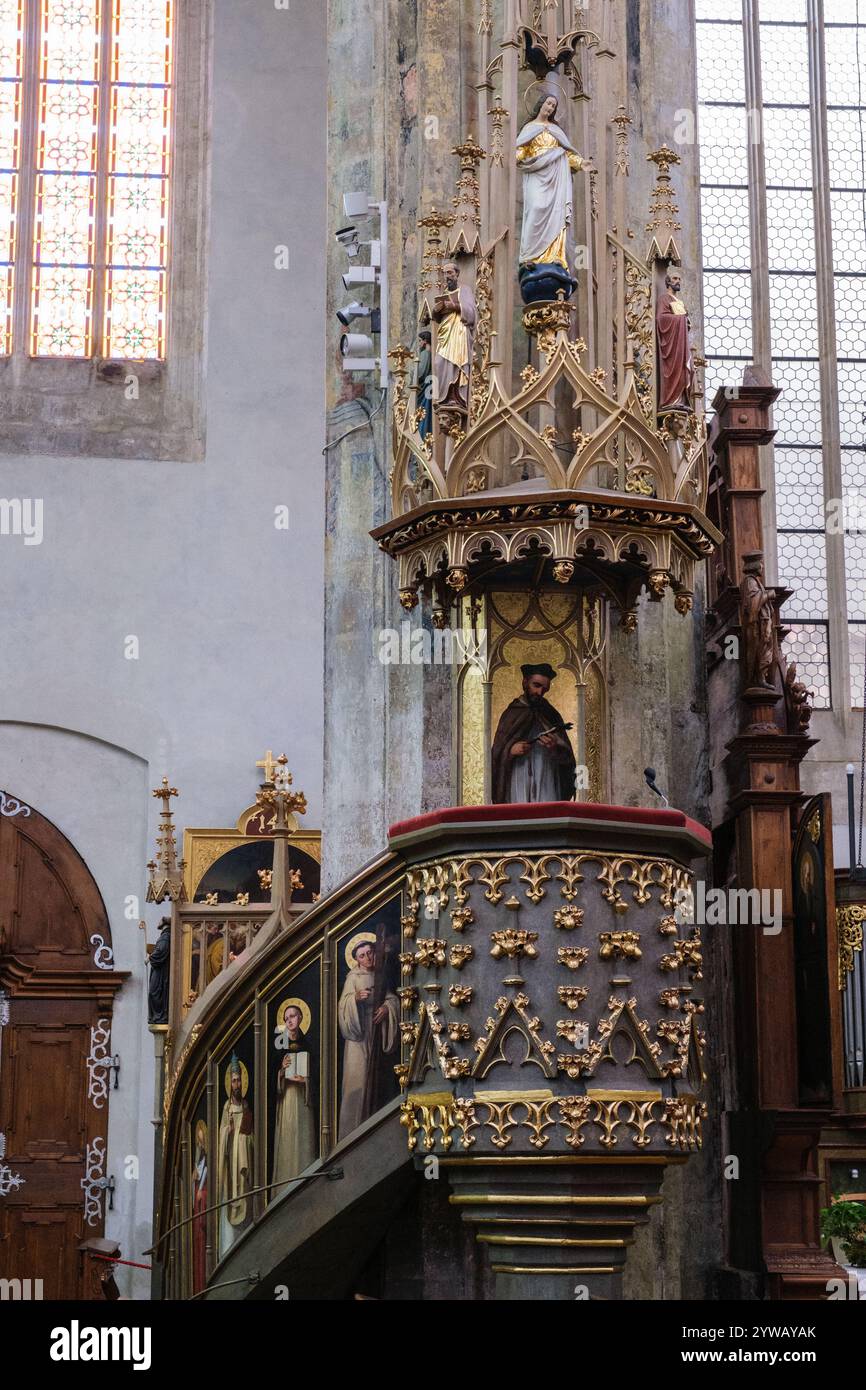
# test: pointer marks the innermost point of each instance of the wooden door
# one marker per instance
(57, 971)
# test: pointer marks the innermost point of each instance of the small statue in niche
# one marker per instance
(454, 314)
(758, 618)
(798, 702)
(160, 961)
(547, 161)
(424, 384)
(532, 758)
(676, 373)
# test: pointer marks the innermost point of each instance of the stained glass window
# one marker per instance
(138, 180)
(11, 19)
(85, 148)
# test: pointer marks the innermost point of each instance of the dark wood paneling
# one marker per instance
(50, 911)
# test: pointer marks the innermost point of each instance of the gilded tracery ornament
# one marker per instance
(640, 875)
(634, 1121)
(849, 925)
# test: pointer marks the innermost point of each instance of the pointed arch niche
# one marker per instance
(506, 626)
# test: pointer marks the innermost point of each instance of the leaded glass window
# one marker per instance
(810, 67)
(85, 150)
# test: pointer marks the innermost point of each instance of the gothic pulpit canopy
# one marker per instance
(565, 434)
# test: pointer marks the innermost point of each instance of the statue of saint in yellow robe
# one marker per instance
(454, 314)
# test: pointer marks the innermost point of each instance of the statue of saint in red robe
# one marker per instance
(676, 372)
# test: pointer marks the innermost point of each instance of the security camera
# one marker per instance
(356, 204)
(352, 311)
(356, 310)
(359, 275)
(352, 343)
(348, 239)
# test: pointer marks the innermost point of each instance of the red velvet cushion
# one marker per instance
(552, 810)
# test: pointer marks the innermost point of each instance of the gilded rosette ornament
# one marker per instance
(518, 1016)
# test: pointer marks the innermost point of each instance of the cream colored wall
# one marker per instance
(185, 556)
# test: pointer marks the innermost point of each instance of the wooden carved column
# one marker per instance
(773, 1207)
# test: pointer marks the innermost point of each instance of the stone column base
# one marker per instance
(556, 1228)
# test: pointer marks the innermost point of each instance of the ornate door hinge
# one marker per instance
(9, 1181)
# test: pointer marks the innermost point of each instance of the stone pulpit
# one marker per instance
(552, 1026)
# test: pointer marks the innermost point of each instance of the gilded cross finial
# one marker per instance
(268, 765)
(400, 357)
(274, 791)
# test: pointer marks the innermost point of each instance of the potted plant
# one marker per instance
(844, 1225)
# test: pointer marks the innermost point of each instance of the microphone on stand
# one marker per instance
(650, 775)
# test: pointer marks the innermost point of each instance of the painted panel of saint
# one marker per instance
(368, 1014)
(293, 1078)
(236, 1167)
(199, 1187)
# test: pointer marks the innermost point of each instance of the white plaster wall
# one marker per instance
(227, 609)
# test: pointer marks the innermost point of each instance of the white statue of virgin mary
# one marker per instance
(547, 159)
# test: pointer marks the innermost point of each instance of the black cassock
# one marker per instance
(157, 989)
(516, 725)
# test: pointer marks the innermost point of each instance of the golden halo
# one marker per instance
(552, 89)
(355, 941)
(302, 1006)
(245, 1078)
(201, 1134)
